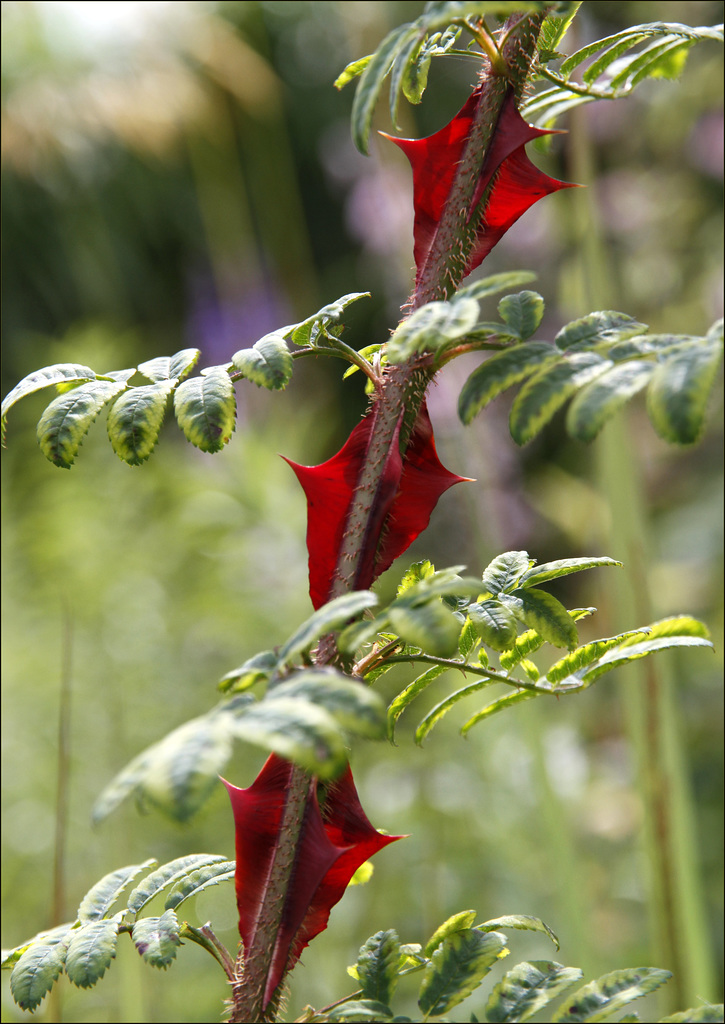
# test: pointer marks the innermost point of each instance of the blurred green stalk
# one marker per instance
(677, 919)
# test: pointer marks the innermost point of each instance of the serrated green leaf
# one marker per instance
(436, 713)
(601, 399)
(135, 418)
(254, 670)
(415, 75)
(525, 644)
(371, 82)
(377, 966)
(205, 409)
(66, 421)
(500, 372)
(541, 611)
(679, 390)
(196, 881)
(522, 922)
(59, 373)
(555, 26)
(90, 951)
(528, 988)
(599, 999)
(296, 730)
(626, 653)
(510, 700)
(538, 574)
(431, 328)
(408, 695)
(157, 938)
(177, 774)
(709, 1014)
(418, 571)
(608, 56)
(522, 313)
(35, 972)
(331, 616)
(355, 707)
(268, 363)
(603, 327)
(167, 875)
(544, 393)
(50, 937)
(408, 55)
(495, 283)
(457, 968)
(457, 922)
(431, 626)
(174, 367)
(494, 623)
(661, 59)
(504, 571)
(312, 330)
(578, 659)
(100, 898)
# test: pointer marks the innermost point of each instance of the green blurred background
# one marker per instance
(182, 175)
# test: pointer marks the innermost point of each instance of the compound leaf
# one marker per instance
(432, 327)
(174, 367)
(543, 394)
(166, 875)
(527, 988)
(329, 617)
(196, 881)
(268, 363)
(406, 696)
(101, 897)
(355, 708)
(603, 997)
(59, 373)
(500, 372)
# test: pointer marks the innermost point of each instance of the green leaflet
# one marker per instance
(541, 611)
(205, 409)
(174, 367)
(68, 418)
(602, 327)
(543, 394)
(101, 897)
(522, 922)
(196, 881)
(522, 313)
(268, 363)
(562, 567)
(296, 730)
(362, 1010)
(50, 937)
(510, 700)
(598, 401)
(178, 773)
(626, 653)
(435, 714)
(495, 283)
(254, 670)
(431, 626)
(457, 967)
(583, 656)
(527, 988)
(406, 696)
(709, 1014)
(371, 81)
(603, 997)
(377, 966)
(405, 69)
(432, 327)
(59, 373)
(415, 73)
(505, 570)
(35, 972)
(355, 708)
(135, 418)
(167, 875)
(525, 644)
(500, 372)
(457, 922)
(90, 951)
(313, 330)
(157, 938)
(494, 623)
(329, 617)
(679, 390)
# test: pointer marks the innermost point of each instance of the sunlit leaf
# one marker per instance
(541, 611)
(510, 700)
(101, 897)
(35, 972)
(528, 988)
(167, 875)
(443, 707)
(495, 283)
(679, 391)
(157, 938)
(544, 393)
(66, 421)
(432, 327)
(406, 696)
(504, 571)
(522, 922)
(494, 623)
(500, 372)
(522, 313)
(134, 421)
(90, 951)
(173, 367)
(431, 626)
(707, 1014)
(600, 400)
(330, 617)
(603, 327)
(457, 968)
(561, 567)
(603, 997)
(205, 410)
(377, 966)
(268, 363)
(457, 922)
(254, 670)
(59, 373)
(196, 881)
(355, 708)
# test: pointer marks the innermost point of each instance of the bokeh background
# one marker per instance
(181, 174)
